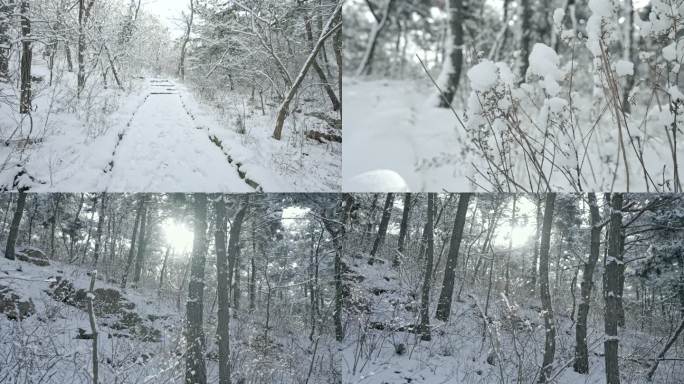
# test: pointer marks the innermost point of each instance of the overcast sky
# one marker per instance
(169, 11)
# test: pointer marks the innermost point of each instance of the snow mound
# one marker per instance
(483, 76)
(377, 180)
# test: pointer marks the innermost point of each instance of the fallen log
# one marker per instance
(323, 138)
(331, 121)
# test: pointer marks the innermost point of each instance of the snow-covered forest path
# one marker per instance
(158, 138)
(163, 147)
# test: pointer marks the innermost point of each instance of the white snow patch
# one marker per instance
(670, 52)
(600, 10)
(544, 63)
(556, 104)
(505, 73)
(483, 76)
(675, 93)
(558, 16)
(380, 180)
(624, 68)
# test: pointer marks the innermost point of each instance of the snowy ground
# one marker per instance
(154, 138)
(458, 352)
(293, 164)
(163, 148)
(43, 348)
(389, 126)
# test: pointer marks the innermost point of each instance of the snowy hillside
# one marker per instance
(384, 346)
(139, 335)
(504, 288)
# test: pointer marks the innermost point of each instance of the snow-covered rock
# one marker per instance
(377, 180)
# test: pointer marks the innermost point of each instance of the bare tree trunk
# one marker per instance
(142, 242)
(162, 273)
(93, 325)
(446, 295)
(195, 368)
(56, 198)
(113, 67)
(116, 227)
(252, 274)
(67, 54)
(611, 291)
(5, 10)
(382, 228)
(268, 299)
(473, 241)
(100, 224)
(51, 60)
(403, 228)
(75, 222)
(317, 68)
(14, 227)
(506, 32)
(493, 221)
(32, 216)
(573, 288)
(424, 328)
(310, 285)
(666, 348)
(621, 279)
(236, 284)
(330, 29)
(186, 40)
(453, 64)
(223, 264)
(83, 16)
(630, 55)
(510, 248)
(489, 292)
(26, 57)
(549, 325)
(6, 214)
(131, 251)
(86, 244)
(370, 221)
(535, 255)
(337, 43)
(366, 66)
(526, 38)
(581, 364)
(234, 248)
(337, 231)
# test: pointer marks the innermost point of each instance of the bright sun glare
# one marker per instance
(523, 231)
(521, 235)
(177, 235)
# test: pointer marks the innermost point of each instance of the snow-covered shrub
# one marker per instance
(663, 29)
(240, 124)
(491, 106)
(567, 119)
(517, 129)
